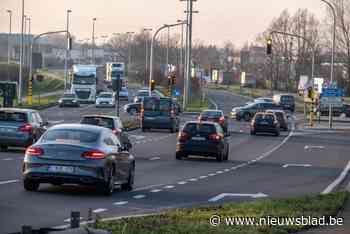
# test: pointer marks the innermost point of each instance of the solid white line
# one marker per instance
(154, 158)
(100, 210)
(340, 179)
(169, 186)
(8, 182)
(182, 182)
(120, 203)
(68, 220)
(139, 196)
(147, 187)
(156, 191)
(7, 159)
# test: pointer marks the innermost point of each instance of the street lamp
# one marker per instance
(25, 41)
(8, 39)
(129, 40)
(93, 41)
(147, 57)
(19, 97)
(182, 46)
(333, 48)
(28, 40)
(67, 53)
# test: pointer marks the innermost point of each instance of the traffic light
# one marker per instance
(269, 46)
(153, 85)
(116, 84)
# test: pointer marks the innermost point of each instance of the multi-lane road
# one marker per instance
(297, 162)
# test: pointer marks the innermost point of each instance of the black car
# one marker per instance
(265, 123)
(159, 113)
(346, 110)
(78, 154)
(216, 116)
(20, 127)
(281, 118)
(112, 122)
(247, 112)
(202, 139)
(68, 99)
(132, 108)
(286, 101)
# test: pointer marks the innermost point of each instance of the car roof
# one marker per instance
(200, 122)
(100, 116)
(264, 113)
(106, 93)
(86, 127)
(17, 110)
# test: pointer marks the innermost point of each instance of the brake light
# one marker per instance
(94, 154)
(222, 120)
(34, 151)
(215, 137)
(183, 136)
(26, 128)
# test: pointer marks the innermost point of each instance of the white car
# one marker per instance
(124, 93)
(105, 99)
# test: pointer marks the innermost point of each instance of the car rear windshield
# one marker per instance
(70, 136)
(212, 114)
(105, 95)
(287, 98)
(13, 116)
(197, 128)
(69, 96)
(154, 104)
(99, 121)
(262, 118)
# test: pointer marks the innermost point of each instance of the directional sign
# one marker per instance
(332, 92)
(223, 195)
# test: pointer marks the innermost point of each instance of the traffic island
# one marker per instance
(268, 216)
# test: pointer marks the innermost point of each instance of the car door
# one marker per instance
(115, 151)
(122, 158)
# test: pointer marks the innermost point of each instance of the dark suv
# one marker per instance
(203, 139)
(20, 127)
(265, 123)
(247, 112)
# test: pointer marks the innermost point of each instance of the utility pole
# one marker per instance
(21, 58)
(67, 53)
(25, 42)
(181, 49)
(93, 41)
(129, 49)
(167, 52)
(147, 47)
(9, 39)
(28, 40)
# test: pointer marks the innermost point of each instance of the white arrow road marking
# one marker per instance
(100, 210)
(137, 137)
(340, 179)
(296, 165)
(313, 147)
(223, 195)
(8, 182)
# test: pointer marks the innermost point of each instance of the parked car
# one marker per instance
(105, 99)
(159, 113)
(69, 99)
(111, 122)
(247, 112)
(202, 138)
(20, 127)
(216, 116)
(78, 154)
(264, 123)
(281, 118)
(286, 101)
(132, 108)
(124, 93)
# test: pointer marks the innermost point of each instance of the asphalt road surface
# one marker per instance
(297, 162)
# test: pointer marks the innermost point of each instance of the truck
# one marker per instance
(113, 70)
(87, 82)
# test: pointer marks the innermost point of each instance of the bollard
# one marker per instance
(90, 214)
(26, 230)
(75, 219)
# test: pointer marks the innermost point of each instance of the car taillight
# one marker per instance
(26, 128)
(183, 136)
(34, 151)
(215, 137)
(116, 131)
(222, 120)
(94, 154)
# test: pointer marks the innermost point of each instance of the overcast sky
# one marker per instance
(217, 21)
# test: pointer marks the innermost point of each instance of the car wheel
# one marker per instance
(108, 187)
(57, 184)
(179, 155)
(129, 185)
(246, 117)
(220, 157)
(30, 185)
(173, 129)
(144, 129)
(227, 154)
(4, 148)
(238, 118)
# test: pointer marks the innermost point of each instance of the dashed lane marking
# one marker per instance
(8, 182)
(169, 186)
(182, 182)
(156, 190)
(154, 158)
(120, 203)
(100, 210)
(140, 196)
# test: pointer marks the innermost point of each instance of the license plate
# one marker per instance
(61, 169)
(198, 138)
(264, 123)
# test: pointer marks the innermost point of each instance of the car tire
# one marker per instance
(246, 117)
(108, 187)
(30, 185)
(179, 155)
(238, 118)
(220, 157)
(143, 129)
(4, 148)
(227, 154)
(129, 185)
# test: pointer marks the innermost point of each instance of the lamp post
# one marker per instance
(93, 41)
(25, 41)
(28, 41)
(147, 56)
(8, 39)
(182, 46)
(19, 97)
(332, 62)
(67, 53)
(129, 42)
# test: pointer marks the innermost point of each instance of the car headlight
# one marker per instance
(74, 100)
(60, 101)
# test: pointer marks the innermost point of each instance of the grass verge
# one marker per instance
(197, 105)
(196, 220)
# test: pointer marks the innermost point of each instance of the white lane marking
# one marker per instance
(219, 172)
(313, 147)
(226, 170)
(296, 165)
(147, 187)
(214, 103)
(100, 210)
(169, 186)
(211, 174)
(182, 182)
(156, 190)
(193, 179)
(8, 182)
(7, 159)
(223, 195)
(340, 179)
(56, 122)
(68, 220)
(120, 203)
(154, 158)
(139, 196)
(137, 137)
(203, 177)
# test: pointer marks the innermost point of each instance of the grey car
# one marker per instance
(78, 154)
(20, 127)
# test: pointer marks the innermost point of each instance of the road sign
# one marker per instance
(332, 92)
(334, 101)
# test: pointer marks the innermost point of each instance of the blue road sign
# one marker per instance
(332, 92)
(176, 93)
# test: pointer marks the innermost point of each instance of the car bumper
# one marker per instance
(199, 149)
(266, 129)
(69, 104)
(163, 124)
(105, 105)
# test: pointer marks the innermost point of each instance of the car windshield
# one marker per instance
(13, 116)
(287, 98)
(105, 95)
(70, 136)
(154, 104)
(143, 94)
(198, 128)
(211, 114)
(99, 121)
(84, 80)
(69, 95)
(264, 118)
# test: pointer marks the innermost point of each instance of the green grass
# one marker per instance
(196, 220)
(197, 105)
